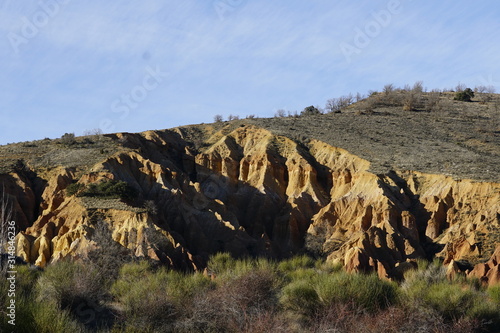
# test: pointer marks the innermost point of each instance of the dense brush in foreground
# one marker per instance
(296, 295)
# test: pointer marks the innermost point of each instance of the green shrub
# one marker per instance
(154, 299)
(33, 315)
(233, 306)
(68, 139)
(74, 188)
(484, 311)
(146, 303)
(105, 189)
(311, 291)
(465, 95)
(24, 320)
(329, 267)
(55, 286)
(50, 319)
(455, 301)
(301, 297)
(494, 293)
(226, 268)
(427, 272)
(301, 274)
(77, 288)
(266, 264)
(130, 274)
(295, 263)
(26, 279)
(364, 291)
(448, 299)
(182, 287)
(242, 267)
(310, 111)
(220, 263)
(134, 271)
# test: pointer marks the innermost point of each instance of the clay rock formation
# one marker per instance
(488, 272)
(250, 192)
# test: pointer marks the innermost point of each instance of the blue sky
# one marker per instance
(72, 66)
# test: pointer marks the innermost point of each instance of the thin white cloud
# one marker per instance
(262, 56)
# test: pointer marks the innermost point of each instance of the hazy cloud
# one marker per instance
(256, 58)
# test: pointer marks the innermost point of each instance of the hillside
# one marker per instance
(372, 187)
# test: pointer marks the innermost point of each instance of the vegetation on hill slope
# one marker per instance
(296, 295)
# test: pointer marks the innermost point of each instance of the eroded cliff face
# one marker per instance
(250, 192)
(382, 223)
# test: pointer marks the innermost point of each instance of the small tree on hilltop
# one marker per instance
(388, 88)
(465, 95)
(68, 139)
(310, 111)
(280, 113)
(411, 100)
(418, 87)
(335, 105)
(485, 93)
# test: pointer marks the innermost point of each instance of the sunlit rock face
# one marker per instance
(250, 192)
